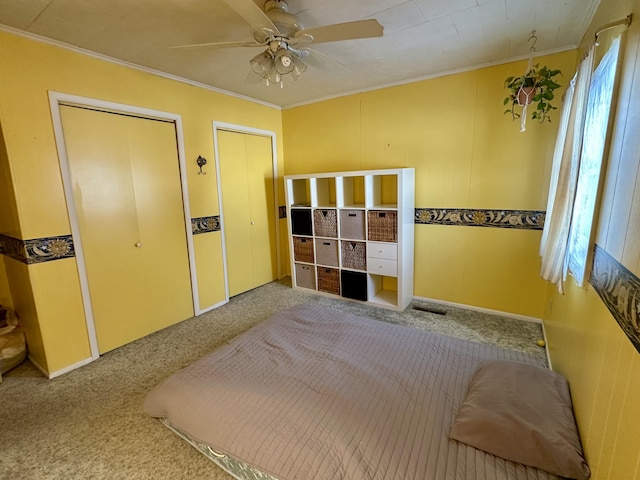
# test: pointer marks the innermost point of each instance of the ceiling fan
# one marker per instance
(285, 39)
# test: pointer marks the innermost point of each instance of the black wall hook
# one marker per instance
(201, 161)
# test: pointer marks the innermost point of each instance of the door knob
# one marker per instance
(138, 244)
(253, 223)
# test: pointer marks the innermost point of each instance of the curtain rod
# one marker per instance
(626, 22)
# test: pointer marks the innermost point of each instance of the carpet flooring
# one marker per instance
(89, 424)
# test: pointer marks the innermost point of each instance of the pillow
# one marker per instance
(522, 413)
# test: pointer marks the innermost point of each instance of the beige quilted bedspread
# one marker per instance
(314, 393)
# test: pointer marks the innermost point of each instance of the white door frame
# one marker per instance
(230, 127)
(57, 99)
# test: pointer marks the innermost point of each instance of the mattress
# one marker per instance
(316, 393)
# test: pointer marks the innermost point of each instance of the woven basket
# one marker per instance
(354, 255)
(382, 225)
(325, 223)
(303, 249)
(329, 280)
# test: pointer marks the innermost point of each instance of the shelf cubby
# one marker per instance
(299, 192)
(382, 191)
(323, 192)
(351, 191)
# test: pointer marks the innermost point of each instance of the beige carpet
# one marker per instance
(89, 423)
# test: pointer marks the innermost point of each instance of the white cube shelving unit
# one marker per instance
(368, 217)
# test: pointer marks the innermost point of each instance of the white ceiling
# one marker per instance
(422, 38)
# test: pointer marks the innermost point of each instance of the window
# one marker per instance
(591, 158)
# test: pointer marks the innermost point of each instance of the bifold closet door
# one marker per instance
(128, 199)
(246, 178)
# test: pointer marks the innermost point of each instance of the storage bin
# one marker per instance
(325, 223)
(301, 221)
(303, 249)
(354, 285)
(354, 255)
(382, 225)
(329, 280)
(352, 224)
(326, 252)
(305, 276)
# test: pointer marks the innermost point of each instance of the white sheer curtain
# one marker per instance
(593, 151)
(564, 175)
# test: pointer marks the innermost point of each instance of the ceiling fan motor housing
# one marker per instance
(278, 13)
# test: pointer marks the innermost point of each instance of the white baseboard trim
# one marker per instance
(213, 307)
(546, 346)
(62, 371)
(480, 309)
(37, 365)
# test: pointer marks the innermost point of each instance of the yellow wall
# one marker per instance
(466, 153)
(29, 166)
(5, 293)
(585, 342)
(588, 347)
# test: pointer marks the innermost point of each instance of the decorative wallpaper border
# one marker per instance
(619, 289)
(37, 250)
(514, 219)
(205, 224)
(517, 219)
(46, 249)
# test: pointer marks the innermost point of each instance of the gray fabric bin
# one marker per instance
(305, 276)
(352, 224)
(326, 252)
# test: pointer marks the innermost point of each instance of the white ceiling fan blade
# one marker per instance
(219, 44)
(252, 14)
(320, 60)
(342, 31)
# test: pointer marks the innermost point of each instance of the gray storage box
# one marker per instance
(326, 252)
(305, 276)
(352, 224)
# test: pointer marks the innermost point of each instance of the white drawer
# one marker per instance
(382, 250)
(382, 266)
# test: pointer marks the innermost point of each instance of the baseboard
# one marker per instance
(37, 365)
(62, 371)
(546, 346)
(213, 307)
(480, 309)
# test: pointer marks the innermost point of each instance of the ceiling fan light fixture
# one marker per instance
(299, 69)
(262, 63)
(284, 62)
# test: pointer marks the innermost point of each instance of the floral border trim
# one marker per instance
(37, 250)
(515, 219)
(619, 289)
(205, 224)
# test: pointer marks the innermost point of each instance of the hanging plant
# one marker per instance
(534, 87)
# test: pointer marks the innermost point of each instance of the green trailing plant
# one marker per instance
(541, 80)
